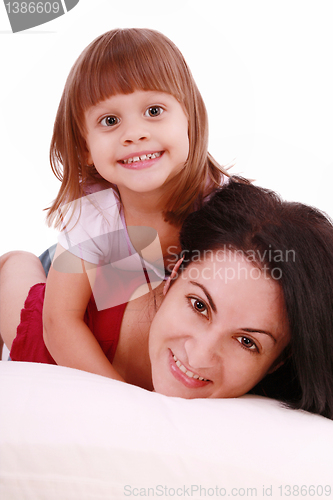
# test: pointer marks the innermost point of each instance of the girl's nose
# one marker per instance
(135, 132)
(201, 353)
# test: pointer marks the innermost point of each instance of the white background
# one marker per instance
(263, 67)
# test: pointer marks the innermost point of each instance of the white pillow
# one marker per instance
(67, 434)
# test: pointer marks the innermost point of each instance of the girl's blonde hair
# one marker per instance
(120, 62)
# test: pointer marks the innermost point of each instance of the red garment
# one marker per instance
(28, 344)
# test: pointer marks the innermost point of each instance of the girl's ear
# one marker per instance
(172, 275)
(88, 157)
(89, 160)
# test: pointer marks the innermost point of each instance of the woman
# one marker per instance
(251, 309)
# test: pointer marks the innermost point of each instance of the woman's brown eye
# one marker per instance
(199, 306)
(248, 343)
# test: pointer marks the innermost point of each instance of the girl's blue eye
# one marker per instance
(110, 121)
(199, 306)
(247, 343)
(154, 111)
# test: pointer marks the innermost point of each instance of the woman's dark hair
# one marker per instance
(295, 243)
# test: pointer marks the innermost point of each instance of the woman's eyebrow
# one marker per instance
(209, 298)
(255, 330)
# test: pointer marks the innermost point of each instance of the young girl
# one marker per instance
(130, 140)
(250, 311)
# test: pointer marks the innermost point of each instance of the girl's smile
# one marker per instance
(143, 159)
(217, 336)
(138, 141)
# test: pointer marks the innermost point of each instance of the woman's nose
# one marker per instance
(201, 353)
(135, 131)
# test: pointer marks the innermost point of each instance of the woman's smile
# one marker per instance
(184, 375)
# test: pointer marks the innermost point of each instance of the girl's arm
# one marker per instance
(68, 339)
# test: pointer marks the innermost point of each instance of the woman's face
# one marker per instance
(219, 330)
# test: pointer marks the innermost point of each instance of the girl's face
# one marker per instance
(138, 141)
(218, 332)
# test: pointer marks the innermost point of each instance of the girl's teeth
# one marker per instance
(149, 156)
(187, 372)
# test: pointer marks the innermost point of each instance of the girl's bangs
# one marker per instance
(130, 66)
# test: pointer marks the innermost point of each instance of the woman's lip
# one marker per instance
(190, 382)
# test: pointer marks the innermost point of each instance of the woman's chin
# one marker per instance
(176, 390)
